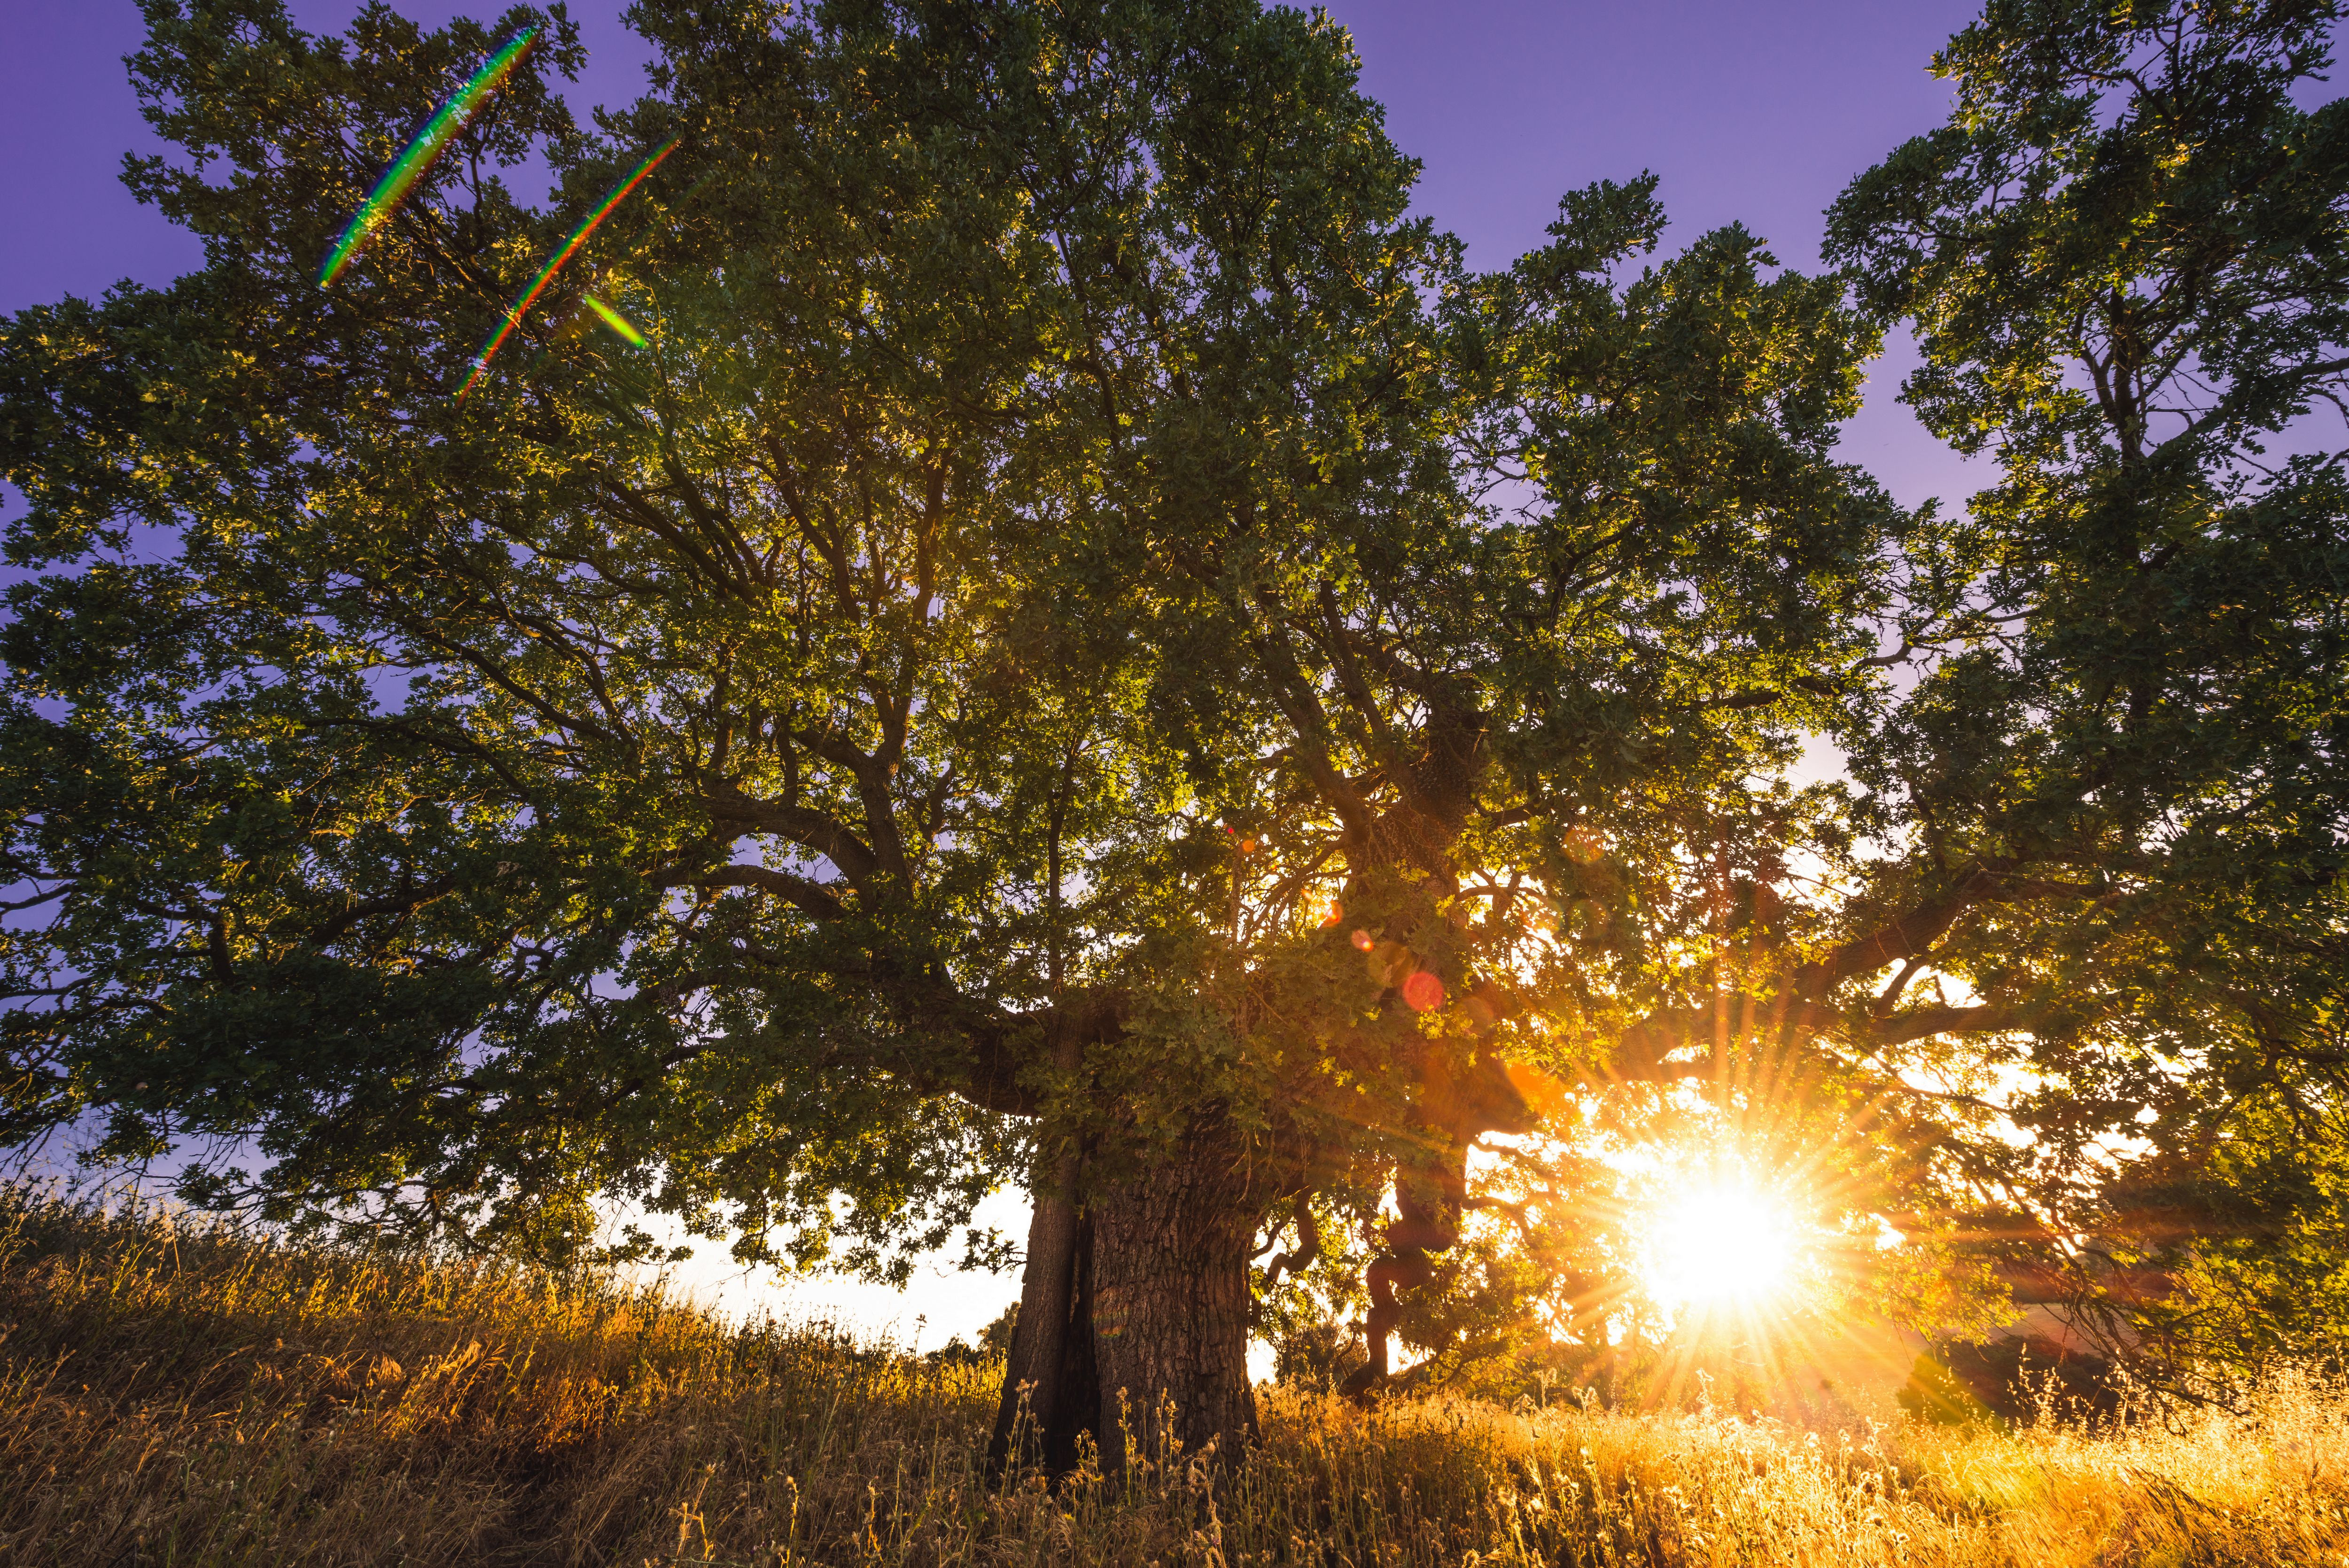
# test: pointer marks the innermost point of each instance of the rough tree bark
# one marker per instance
(1139, 1305)
(1171, 1304)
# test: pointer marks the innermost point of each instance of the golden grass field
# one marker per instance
(170, 1394)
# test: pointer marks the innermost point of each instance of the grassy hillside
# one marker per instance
(173, 1395)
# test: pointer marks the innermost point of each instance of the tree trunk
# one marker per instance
(1050, 1387)
(1132, 1306)
(1171, 1307)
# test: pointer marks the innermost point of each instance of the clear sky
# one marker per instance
(1756, 112)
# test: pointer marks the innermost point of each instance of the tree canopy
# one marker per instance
(2124, 260)
(1088, 648)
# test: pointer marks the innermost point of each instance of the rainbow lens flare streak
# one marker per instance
(616, 322)
(521, 306)
(410, 166)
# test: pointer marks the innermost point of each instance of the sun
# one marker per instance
(1720, 1246)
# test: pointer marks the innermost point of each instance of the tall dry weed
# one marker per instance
(170, 1394)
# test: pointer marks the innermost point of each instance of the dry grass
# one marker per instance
(174, 1396)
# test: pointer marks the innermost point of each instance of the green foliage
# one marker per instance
(2117, 779)
(645, 775)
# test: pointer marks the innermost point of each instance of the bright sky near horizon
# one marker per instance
(1755, 111)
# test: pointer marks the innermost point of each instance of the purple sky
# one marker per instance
(1757, 111)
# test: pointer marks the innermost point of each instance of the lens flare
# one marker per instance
(529, 296)
(616, 322)
(1423, 992)
(417, 157)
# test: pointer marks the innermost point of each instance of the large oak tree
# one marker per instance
(902, 729)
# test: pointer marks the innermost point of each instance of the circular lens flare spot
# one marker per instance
(1364, 940)
(1721, 1246)
(1423, 992)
